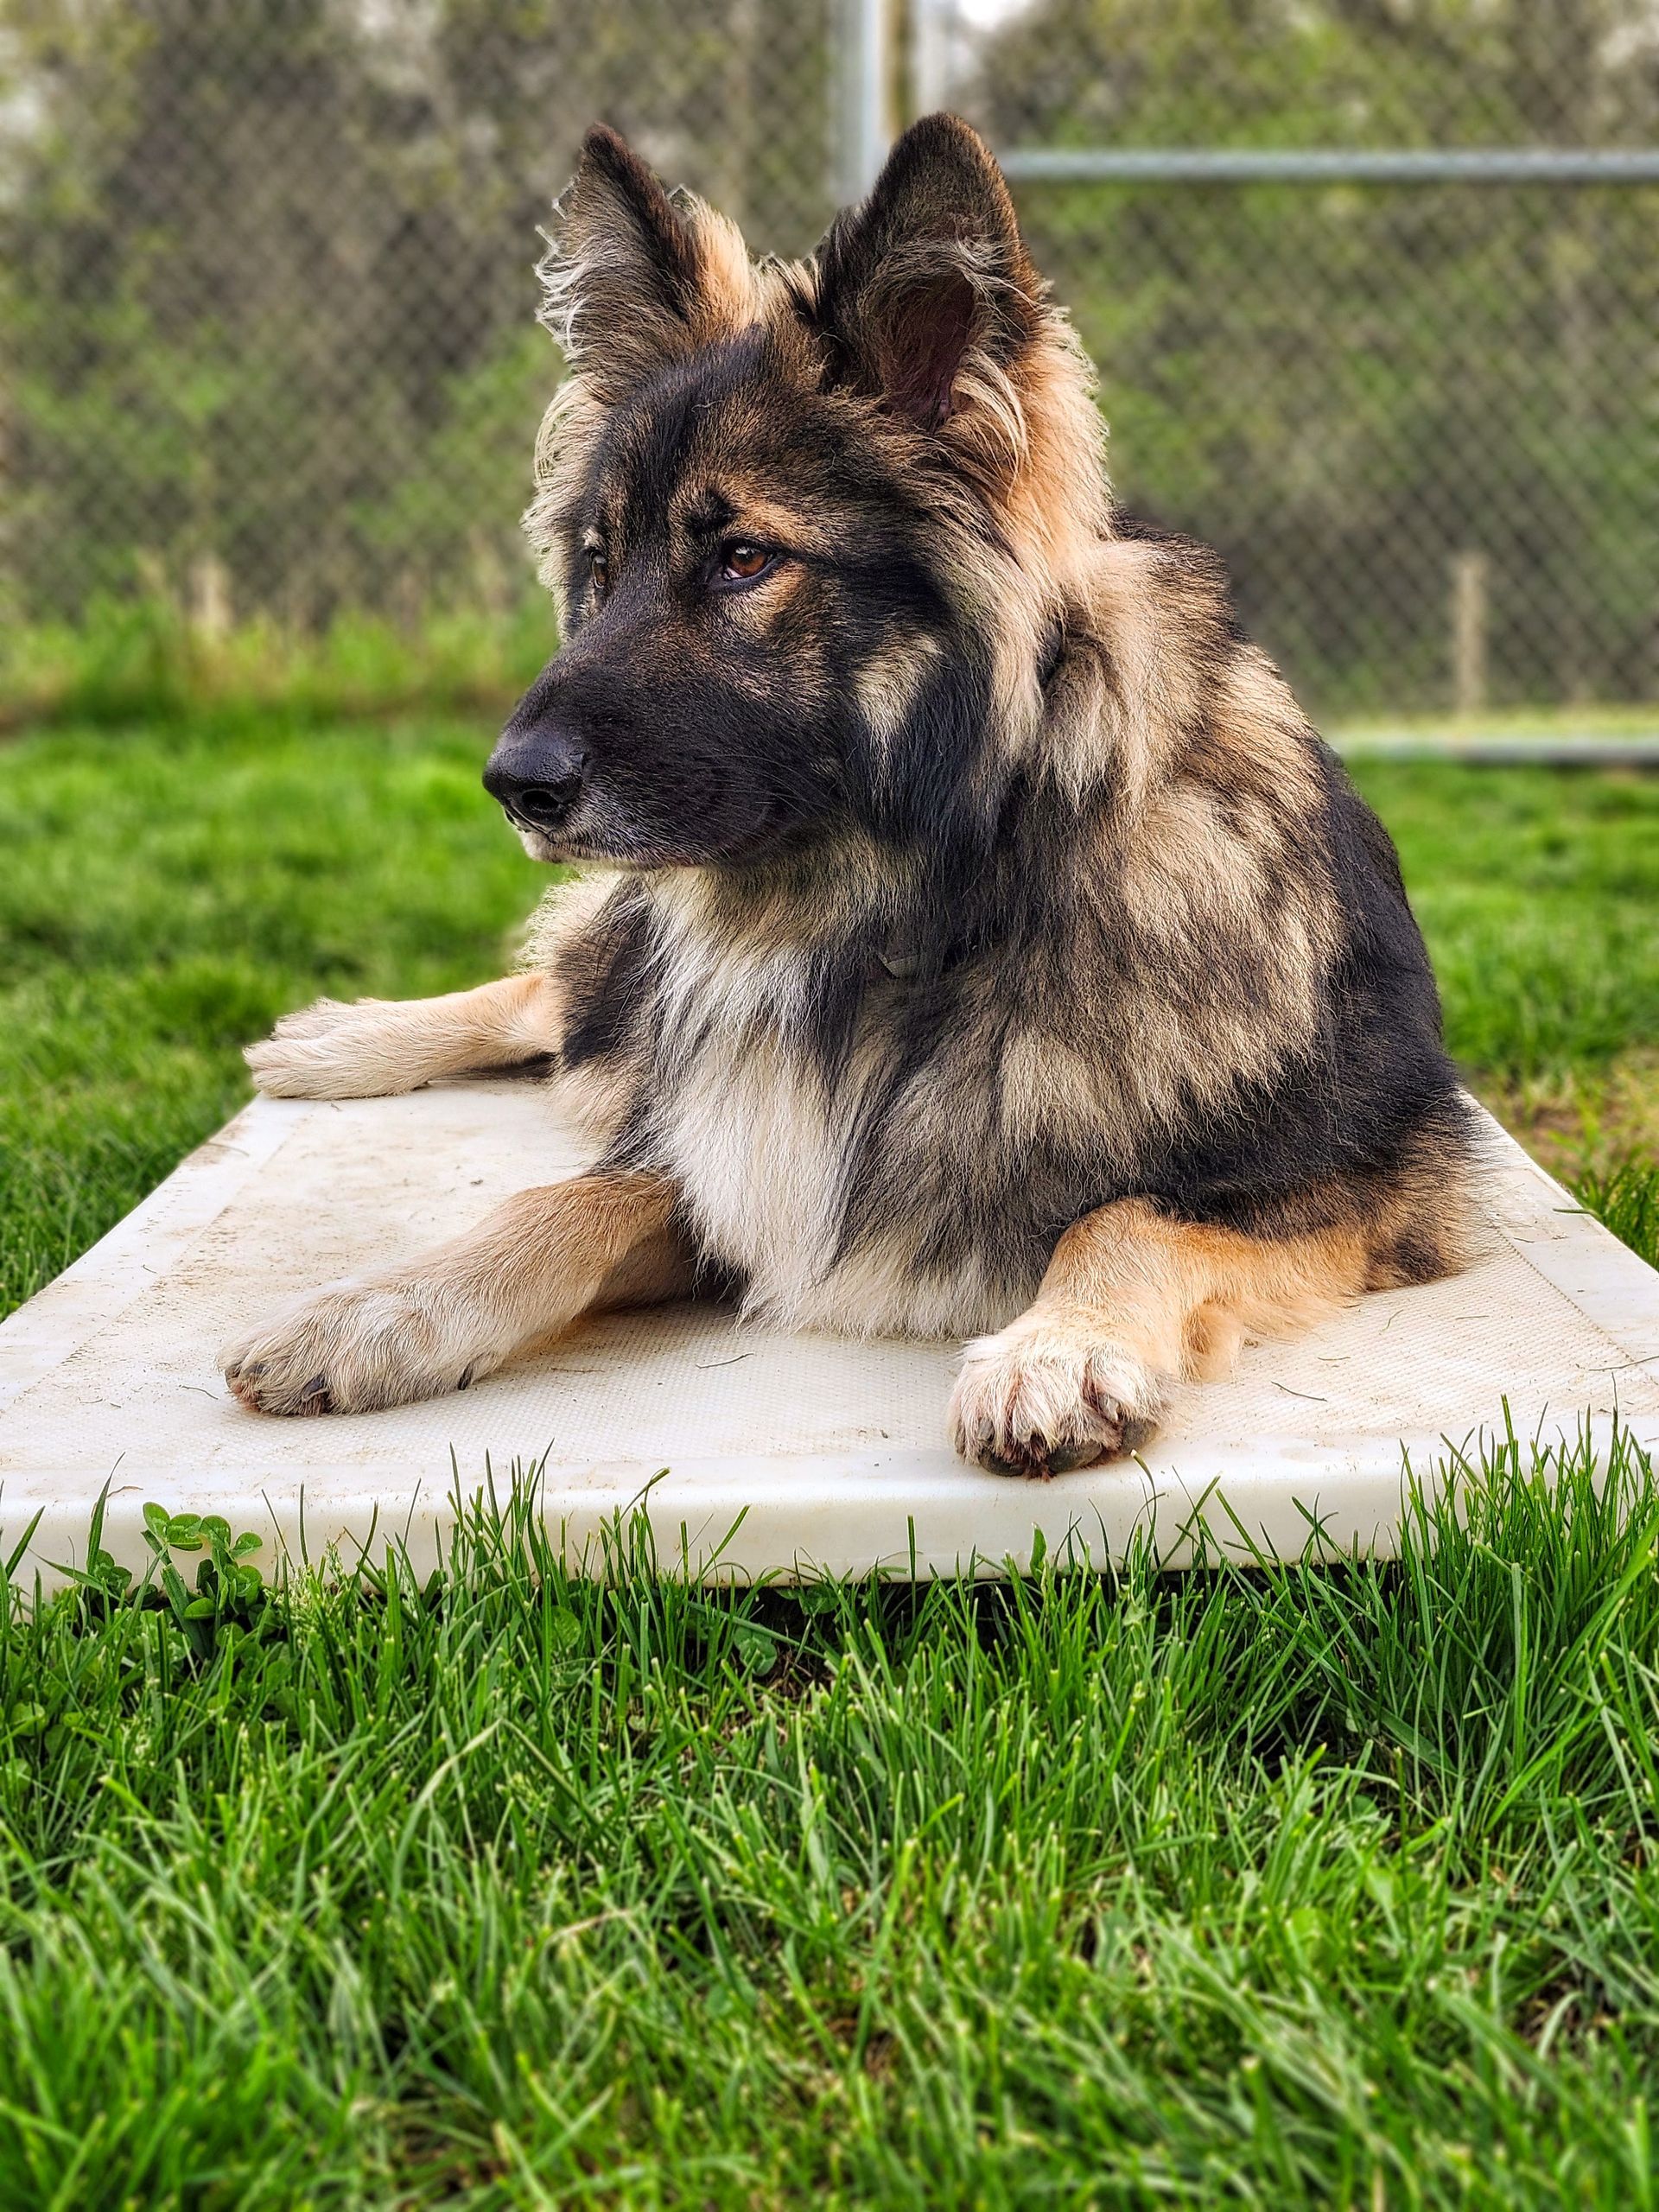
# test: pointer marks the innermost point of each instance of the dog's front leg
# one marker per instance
(441, 1321)
(373, 1048)
(1133, 1302)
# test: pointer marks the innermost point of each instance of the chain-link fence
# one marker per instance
(268, 348)
(271, 339)
(1407, 380)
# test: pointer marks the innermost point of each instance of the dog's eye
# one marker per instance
(742, 563)
(600, 570)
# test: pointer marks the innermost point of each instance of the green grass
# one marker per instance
(1538, 891)
(1301, 1887)
(137, 659)
(1627, 1198)
(1296, 1887)
(1636, 719)
(165, 892)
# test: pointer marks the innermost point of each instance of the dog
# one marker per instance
(972, 938)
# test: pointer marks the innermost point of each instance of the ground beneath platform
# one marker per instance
(750, 1451)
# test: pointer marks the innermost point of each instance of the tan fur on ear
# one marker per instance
(928, 304)
(727, 295)
(927, 299)
(634, 277)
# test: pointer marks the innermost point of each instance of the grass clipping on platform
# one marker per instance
(1280, 1883)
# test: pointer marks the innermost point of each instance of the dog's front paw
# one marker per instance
(356, 1348)
(331, 1049)
(1040, 1400)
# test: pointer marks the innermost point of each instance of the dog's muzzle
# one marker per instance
(537, 774)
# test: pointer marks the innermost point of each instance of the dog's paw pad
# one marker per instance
(1034, 1403)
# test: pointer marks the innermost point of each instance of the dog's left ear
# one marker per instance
(928, 280)
(636, 279)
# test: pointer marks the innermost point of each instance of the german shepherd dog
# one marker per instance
(974, 938)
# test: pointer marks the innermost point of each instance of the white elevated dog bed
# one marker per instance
(831, 1455)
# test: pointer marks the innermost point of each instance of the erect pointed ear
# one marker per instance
(633, 279)
(928, 279)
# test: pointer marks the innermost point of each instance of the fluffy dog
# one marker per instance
(973, 938)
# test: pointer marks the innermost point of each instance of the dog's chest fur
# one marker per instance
(760, 1139)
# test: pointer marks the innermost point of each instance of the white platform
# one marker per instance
(831, 1454)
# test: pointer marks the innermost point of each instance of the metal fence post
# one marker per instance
(935, 30)
(1468, 632)
(865, 91)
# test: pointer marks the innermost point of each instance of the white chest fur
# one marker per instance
(760, 1141)
(757, 1149)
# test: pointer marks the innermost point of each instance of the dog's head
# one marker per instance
(808, 524)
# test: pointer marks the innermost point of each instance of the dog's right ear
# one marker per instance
(926, 294)
(632, 280)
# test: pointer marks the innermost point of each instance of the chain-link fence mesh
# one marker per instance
(268, 343)
(270, 328)
(1420, 419)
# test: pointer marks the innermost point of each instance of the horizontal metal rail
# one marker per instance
(1565, 751)
(1248, 165)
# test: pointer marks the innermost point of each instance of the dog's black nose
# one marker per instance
(537, 775)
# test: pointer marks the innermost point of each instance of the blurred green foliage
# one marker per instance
(1344, 386)
(269, 355)
(268, 303)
